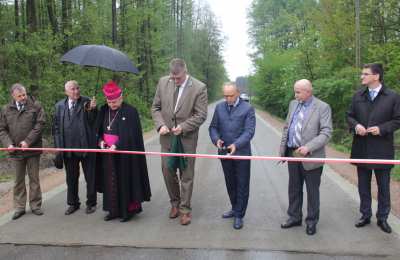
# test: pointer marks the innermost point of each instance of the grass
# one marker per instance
(5, 178)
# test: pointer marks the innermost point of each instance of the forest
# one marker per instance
(34, 34)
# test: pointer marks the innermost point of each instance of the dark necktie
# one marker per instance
(71, 110)
(20, 106)
(176, 94)
(230, 107)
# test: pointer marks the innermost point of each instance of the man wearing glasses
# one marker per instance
(373, 116)
(179, 108)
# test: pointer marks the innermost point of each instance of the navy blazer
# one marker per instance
(234, 127)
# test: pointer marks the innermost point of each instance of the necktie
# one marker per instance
(372, 94)
(176, 94)
(20, 106)
(298, 126)
(72, 108)
(230, 107)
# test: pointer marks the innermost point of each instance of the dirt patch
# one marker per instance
(347, 171)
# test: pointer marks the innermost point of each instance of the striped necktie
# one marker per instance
(298, 126)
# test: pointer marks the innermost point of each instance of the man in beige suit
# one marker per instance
(179, 108)
(307, 130)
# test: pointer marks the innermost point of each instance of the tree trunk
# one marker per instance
(114, 21)
(31, 15)
(16, 19)
(51, 11)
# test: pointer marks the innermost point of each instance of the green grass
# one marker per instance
(5, 178)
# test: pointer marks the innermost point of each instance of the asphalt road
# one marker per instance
(152, 235)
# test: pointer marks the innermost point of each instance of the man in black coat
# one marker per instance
(74, 127)
(373, 117)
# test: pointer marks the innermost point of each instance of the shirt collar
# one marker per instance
(377, 89)
(307, 102)
(234, 104)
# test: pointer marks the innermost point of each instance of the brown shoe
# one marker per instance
(186, 218)
(174, 213)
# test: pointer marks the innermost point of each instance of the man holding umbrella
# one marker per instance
(74, 127)
(179, 108)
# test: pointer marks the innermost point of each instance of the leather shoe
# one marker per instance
(228, 214)
(384, 226)
(125, 219)
(291, 223)
(71, 209)
(37, 212)
(186, 218)
(362, 222)
(174, 212)
(90, 209)
(237, 223)
(109, 217)
(18, 214)
(311, 229)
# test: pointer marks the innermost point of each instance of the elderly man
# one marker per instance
(74, 127)
(21, 125)
(307, 130)
(232, 128)
(373, 117)
(179, 108)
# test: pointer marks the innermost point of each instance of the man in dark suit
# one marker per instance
(74, 127)
(373, 117)
(231, 129)
(307, 130)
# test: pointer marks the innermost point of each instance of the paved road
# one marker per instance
(153, 235)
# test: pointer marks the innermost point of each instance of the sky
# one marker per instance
(232, 16)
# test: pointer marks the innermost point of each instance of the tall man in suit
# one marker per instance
(307, 130)
(232, 127)
(179, 108)
(373, 116)
(74, 127)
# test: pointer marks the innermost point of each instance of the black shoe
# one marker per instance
(237, 223)
(18, 214)
(311, 229)
(90, 209)
(362, 222)
(37, 212)
(291, 223)
(109, 217)
(384, 226)
(125, 219)
(71, 209)
(228, 214)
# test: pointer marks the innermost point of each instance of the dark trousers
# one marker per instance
(364, 189)
(237, 179)
(297, 176)
(72, 172)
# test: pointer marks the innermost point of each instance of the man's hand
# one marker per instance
(177, 130)
(303, 150)
(11, 146)
(360, 130)
(102, 144)
(232, 148)
(163, 130)
(374, 130)
(113, 147)
(23, 144)
(220, 143)
(93, 103)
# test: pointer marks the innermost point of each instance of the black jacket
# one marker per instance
(383, 112)
(86, 126)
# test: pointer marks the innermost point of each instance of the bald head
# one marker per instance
(303, 90)
(231, 92)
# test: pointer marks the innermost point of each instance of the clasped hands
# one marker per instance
(231, 147)
(165, 130)
(360, 130)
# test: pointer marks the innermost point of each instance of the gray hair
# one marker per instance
(230, 83)
(177, 65)
(17, 87)
(73, 82)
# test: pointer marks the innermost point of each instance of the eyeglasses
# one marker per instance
(367, 74)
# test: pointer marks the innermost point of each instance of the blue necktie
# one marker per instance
(372, 94)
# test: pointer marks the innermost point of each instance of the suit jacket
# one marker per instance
(191, 111)
(87, 119)
(383, 112)
(234, 127)
(315, 133)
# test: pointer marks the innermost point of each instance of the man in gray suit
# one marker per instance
(179, 108)
(307, 130)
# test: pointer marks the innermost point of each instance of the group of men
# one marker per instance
(180, 108)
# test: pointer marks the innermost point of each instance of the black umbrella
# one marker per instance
(100, 56)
